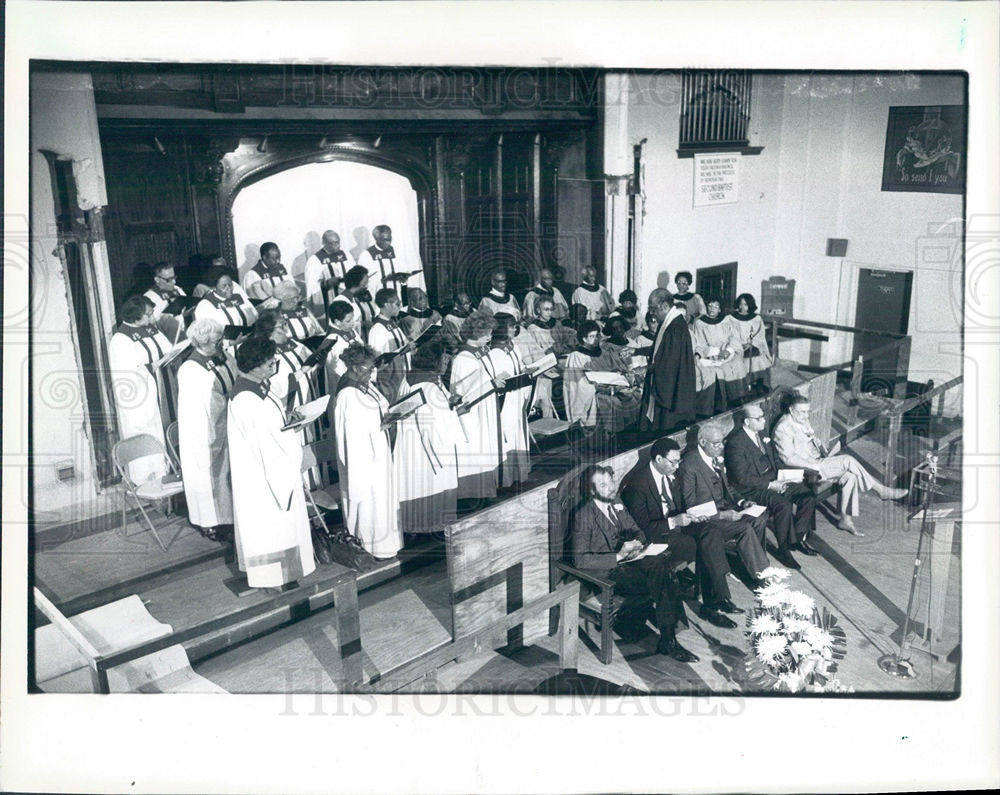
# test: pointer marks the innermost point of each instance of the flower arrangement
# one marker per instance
(792, 644)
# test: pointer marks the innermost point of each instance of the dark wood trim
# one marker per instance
(694, 150)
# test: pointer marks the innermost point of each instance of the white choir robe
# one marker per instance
(426, 456)
(596, 298)
(385, 337)
(579, 393)
(479, 456)
(560, 308)
(301, 323)
(533, 343)
(273, 536)
(751, 332)
(334, 368)
(494, 303)
(368, 490)
(172, 326)
(321, 267)
(202, 387)
(259, 281)
(137, 392)
(364, 314)
(234, 311)
(384, 262)
(515, 456)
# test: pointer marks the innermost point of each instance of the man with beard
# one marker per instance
(418, 314)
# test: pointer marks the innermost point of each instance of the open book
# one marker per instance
(606, 377)
(650, 550)
(172, 354)
(547, 362)
(401, 276)
(231, 332)
(180, 303)
(404, 407)
(306, 413)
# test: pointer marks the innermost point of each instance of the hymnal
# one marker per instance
(181, 303)
(306, 413)
(404, 407)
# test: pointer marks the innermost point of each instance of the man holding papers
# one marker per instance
(753, 473)
(607, 542)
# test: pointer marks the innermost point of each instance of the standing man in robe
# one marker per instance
(668, 399)
(273, 537)
(325, 272)
(536, 341)
(545, 288)
(451, 326)
(204, 381)
(384, 268)
(594, 296)
(386, 337)
(498, 299)
(368, 486)
(418, 314)
(164, 290)
(260, 280)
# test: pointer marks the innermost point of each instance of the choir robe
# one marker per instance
(386, 336)
(479, 456)
(334, 368)
(172, 326)
(383, 262)
(323, 267)
(451, 332)
(273, 536)
(301, 323)
(203, 383)
(515, 457)
(364, 312)
(596, 298)
(139, 390)
(534, 342)
(716, 384)
(494, 303)
(592, 407)
(694, 305)
(563, 337)
(756, 356)
(260, 280)
(414, 321)
(368, 486)
(293, 374)
(233, 311)
(668, 398)
(426, 456)
(560, 309)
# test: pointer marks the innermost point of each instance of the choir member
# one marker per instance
(628, 309)
(594, 296)
(386, 336)
(564, 332)
(693, 305)
(222, 303)
(545, 288)
(273, 538)
(478, 457)
(668, 397)
(137, 385)
(615, 328)
(505, 363)
(368, 486)
(343, 335)
(498, 299)
(292, 375)
(300, 321)
(384, 268)
(164, 290)
(324, 274)
(451, 326)
(357, 296)
(418, 314)
(756, 360)
(426, 452)
(608, 408)
(536, 341)
(204, 381)
(719, 360)
(260, 281)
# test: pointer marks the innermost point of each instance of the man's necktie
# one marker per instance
(664, 490)
(720, 471)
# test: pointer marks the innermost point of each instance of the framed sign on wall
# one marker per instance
(925, 149)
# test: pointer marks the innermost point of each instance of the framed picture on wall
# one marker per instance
(925, 149)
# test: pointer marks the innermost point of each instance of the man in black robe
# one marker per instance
(669, 392)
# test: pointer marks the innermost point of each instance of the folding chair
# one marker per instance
(125, 452)
(174, 445)
(321, 454)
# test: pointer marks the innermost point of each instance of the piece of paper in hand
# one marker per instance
(791, 475)
(753, 511)
(547, 362)
(704, 509)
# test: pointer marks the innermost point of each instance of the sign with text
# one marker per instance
(716, 178)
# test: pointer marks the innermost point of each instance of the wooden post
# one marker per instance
(569, 619)
(98, 675)
(345, 605)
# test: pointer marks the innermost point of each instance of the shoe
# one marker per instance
(805, 549)
(717, 619)
(847, 525)
(686, 578)
(669, 647)
(727, 606)
(893, 494)
(784, 556)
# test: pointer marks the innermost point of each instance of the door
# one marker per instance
(883, 305)
(719, 281)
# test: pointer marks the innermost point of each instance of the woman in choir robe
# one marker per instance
(222, 303)
(138, 386)
(368, 487)
(693, 305)
(343, 335)
(609, 408)
(757, 361)
(356, 296)
(292, 377)
(204, 381)
(273, 536)
(628, 309)
(718, 359)
(478, 456)
(386, 336)
(535, 342)
(426, 452)
(615, 339)
(504, 361)
(299, 320)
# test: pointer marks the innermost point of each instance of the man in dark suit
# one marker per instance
(607, 542)
(654, 501)
(703, 480)
(753, 473)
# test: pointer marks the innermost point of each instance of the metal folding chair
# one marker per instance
(174, 445)
(125, 452)
(321, 454)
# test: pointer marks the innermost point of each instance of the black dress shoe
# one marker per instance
(671, 648)
(716, 618)
(805, 549)
(784, 556)
(727, 606)
(686, 578)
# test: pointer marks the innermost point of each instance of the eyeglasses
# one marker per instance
(167, 278)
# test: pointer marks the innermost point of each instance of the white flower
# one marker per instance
(764, 624)
(800, 649)
(796, 625)
(817, 637)
(770, 648)
(775, 573)
(772, 596)
(801, 603)
(792, 681)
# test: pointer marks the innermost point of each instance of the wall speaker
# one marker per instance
(836, 247)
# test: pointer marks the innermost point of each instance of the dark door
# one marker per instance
(883, 305)
(719, 281)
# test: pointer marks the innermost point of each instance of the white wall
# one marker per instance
(64, 121)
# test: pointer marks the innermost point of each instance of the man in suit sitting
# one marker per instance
(607, 542)
(797, 446)
(753, 474)
(703, 480)
(653, 499)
